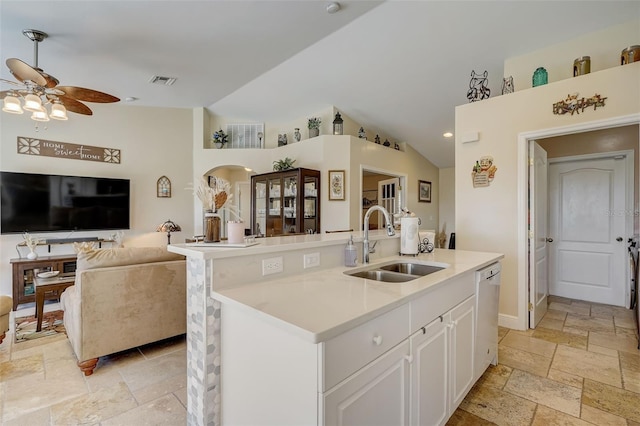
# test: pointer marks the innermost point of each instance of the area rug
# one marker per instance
(51, 325)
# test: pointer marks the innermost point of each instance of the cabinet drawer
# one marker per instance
(345, 354)
(435, 303)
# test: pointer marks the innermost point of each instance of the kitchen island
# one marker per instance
(291, 347)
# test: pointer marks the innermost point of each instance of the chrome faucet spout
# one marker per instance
(365, 243)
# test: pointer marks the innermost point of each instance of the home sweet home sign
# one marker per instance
(45, 148)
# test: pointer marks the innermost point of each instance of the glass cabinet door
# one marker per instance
(260, 212)
(274, 211)
(311, 205)
(290, 204)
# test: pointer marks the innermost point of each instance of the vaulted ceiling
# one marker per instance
(401, 66)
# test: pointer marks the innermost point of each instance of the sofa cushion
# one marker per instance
(122, 256)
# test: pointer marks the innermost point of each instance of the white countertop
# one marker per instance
(322, 304)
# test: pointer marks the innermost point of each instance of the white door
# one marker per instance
(387, 198)
(430, 374)
(378, 394)
(538, 248)
(587, 223)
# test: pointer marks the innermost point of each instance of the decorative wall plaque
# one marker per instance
(572, 104)
(45, 148)
(483, 172)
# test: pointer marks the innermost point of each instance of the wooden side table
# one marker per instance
(48, 285)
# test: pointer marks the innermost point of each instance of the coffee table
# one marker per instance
(43, 286)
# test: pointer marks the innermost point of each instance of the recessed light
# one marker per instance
(130, 99)
(333, 7)
(447, 134)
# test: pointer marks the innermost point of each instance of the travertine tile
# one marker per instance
(529, 344)
(463, 418)
(626, 343)
(631, 381)
(546, 416)
(10, 370)
(576, 331)
(41, 417)
(572, 308)
(526, 361)
(622, 331)
(498, 406)
(550, 323)
(602, 350)
(630, 361)
(557, 315)
(624, 322)
(502, 331)
(586, 364)
(164, 347)
(93, 408)
(166, 410)
(153, 371)
(561, 337)
(164, 387)
(589, 323)
(544, 391)
(611, 399)
(566, 378)
(559, 299)
(181, 394)
(599, 417)
(495, 376)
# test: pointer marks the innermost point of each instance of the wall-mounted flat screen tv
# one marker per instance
(53, 203)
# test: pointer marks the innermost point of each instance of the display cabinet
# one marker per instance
(285, 203)
(24, 270)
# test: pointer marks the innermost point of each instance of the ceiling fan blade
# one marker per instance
(75, 106)
(88, 95)
(25, 72)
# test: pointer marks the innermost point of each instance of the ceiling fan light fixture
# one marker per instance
(32, 103)
(58, 112)
(12, 105)
(40, 115)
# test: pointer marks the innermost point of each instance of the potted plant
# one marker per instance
(314, 126)
(282, 165)
(220, 138)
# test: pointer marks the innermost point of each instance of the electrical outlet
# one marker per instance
(311, 260)
(273, 265)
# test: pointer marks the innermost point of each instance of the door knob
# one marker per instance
(619, 239)
(549, 240)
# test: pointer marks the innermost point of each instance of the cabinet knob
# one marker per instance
(409, 358)
(377, 340)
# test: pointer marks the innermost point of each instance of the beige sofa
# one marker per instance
(6, 304)
(124, 298)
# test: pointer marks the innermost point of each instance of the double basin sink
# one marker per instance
(396, 272)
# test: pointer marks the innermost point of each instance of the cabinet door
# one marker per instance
(290, 208)
(259, 211)
(378, 394)
(430, 374)
(462, 345)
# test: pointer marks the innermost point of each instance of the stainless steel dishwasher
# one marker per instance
(487, 298)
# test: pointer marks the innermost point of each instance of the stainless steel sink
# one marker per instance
(386, 276)
(397, 272)
(412, 268)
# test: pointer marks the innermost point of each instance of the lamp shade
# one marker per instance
(32, 103)
(40, 115)
(168, 227)
(58, 112)
(12, 105)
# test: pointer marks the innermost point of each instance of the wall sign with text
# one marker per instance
(45, 148)
(483, 172)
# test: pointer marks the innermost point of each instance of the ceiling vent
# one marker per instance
(166, 81)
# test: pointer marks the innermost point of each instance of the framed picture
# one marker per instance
(424, 191)
(336, 185)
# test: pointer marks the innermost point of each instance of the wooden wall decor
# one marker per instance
(45, 148)
(164, 187)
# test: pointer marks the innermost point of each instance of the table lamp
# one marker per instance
(168, 227)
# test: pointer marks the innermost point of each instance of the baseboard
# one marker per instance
(509, 321)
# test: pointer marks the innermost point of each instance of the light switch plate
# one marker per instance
(311, 260)
(273, 265)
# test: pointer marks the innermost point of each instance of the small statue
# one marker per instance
(396, 146)
(282, 139)
(478, 87)
(386, 142)
(296, 134)
(377, 139)
(362, 134)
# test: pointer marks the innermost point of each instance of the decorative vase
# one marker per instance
(297, 135)
(211, 227)
(235, 232)
(540, 77)
(32, 254)
(219, 145)
(314, 132)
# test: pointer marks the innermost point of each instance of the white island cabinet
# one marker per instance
(319, 347)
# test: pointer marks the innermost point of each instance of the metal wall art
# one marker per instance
(507, 85)
(478, 89)
(572, 104)
(483, 172)
(45, 148)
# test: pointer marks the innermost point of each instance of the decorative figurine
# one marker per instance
(362, 134)
(478, 89)
(296, 134)
(377, 139)
(540, 77)
(396, 146)
(282, 139)
(507, 85)
(386, 142)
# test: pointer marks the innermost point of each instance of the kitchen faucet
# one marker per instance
(390, 231)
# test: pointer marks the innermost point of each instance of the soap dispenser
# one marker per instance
(350, 253)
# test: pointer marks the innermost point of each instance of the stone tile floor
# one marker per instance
(581, 366)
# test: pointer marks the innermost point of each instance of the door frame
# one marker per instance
(521, 322)
(393, 174)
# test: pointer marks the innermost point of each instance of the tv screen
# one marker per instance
(50, 203)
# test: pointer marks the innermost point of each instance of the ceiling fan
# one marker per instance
(36, 88)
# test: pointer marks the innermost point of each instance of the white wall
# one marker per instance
(487, 218)
(447, 202)
(153, 142)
